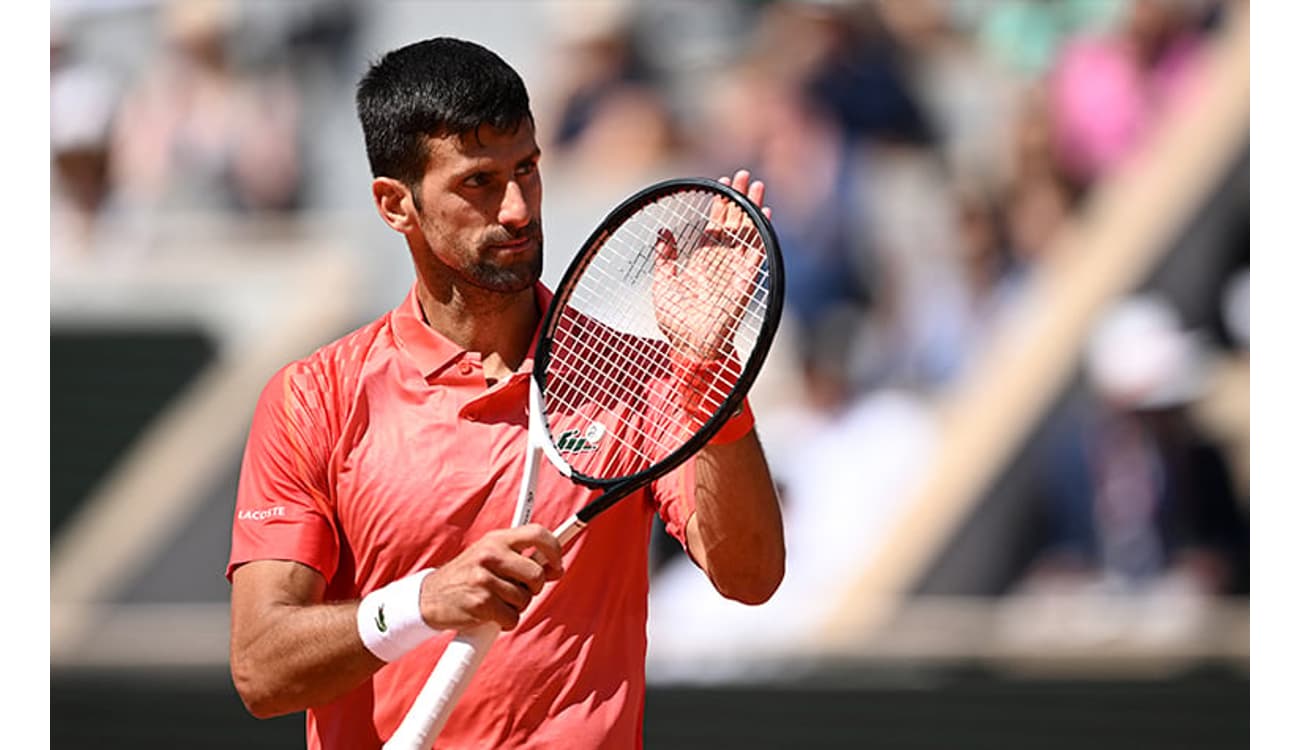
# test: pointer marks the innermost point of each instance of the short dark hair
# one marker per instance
(432, 88)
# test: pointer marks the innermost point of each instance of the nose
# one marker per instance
(514, 212)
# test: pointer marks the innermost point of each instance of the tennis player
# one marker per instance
(381, 472)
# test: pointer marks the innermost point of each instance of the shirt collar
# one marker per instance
(430, 349)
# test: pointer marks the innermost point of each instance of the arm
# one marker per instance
(736, 535)
(290, 650)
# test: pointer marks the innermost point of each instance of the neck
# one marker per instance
(499, 326)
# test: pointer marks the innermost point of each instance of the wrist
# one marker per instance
(702, 383)
(738, 426)
(389, 619)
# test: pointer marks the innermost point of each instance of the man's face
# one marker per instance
(480, 206)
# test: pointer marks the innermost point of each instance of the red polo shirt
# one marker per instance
(385, 452)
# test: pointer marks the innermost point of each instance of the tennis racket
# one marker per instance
(653, 338)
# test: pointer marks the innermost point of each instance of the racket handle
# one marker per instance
(432, 707)
(437, 699)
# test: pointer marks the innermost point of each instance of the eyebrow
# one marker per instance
(533, 155)
(481, 163)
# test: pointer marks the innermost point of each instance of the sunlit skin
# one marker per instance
(480, 210)
(474, 228)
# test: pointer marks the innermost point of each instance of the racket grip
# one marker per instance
(437, 699)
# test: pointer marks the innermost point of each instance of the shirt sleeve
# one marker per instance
(283, 510)
(674, 497)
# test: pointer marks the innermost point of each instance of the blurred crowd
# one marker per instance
(184, 108)
(920, 157)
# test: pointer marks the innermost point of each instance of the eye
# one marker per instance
(478, 179)
(526, 168)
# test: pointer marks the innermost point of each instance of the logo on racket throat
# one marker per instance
(576, 441)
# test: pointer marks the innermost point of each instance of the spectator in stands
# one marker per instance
(1133, 492)
(845, 58)
(83, 103)
(598, 56)
(1026, 36)
(614, 132)
(990, 272)
(810, 169)
(199, 133)
(1107, 90)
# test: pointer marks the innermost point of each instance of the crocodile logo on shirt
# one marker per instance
(576, 441)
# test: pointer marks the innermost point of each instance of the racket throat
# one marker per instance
(527, 488)
(569, 530)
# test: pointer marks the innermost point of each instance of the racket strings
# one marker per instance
(670, 285)
(641, 365)
(694, 227)
(582, 391)
(602, 398)
(588, 295)
(652, 408)
(642, 234)
(720, 311)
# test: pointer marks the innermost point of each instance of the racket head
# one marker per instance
(606, 366)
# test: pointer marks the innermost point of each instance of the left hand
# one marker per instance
(695, 305)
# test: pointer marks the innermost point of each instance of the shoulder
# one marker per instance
(323, 382)
(343, 359)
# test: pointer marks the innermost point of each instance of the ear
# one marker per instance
(395, 203)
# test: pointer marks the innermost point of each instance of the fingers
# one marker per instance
(494, 579)
(528, 555)
(544, 546)
(728, 218)
(755, 190)
(666, 247)
(740, 181)
(522, 572)
(531, 557)
(718, 209)
(744, 183)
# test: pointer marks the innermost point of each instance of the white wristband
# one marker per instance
(389, 618)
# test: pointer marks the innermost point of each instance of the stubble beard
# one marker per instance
(517, 277)
(488, 275)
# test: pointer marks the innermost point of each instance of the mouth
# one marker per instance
(513, 247)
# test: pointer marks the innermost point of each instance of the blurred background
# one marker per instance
(1008, 411)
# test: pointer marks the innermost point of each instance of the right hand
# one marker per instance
(697, 304)
(492, 580)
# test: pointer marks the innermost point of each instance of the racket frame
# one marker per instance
(616, 488)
